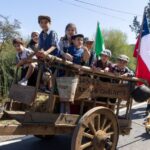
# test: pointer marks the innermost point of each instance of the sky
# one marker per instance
(83, 15)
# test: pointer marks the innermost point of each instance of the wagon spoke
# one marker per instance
(104, 123)
(87, 135)
(92, 128)
(86, 145)
(97, 129)
(110, 133)
(107, 127)
(98, 117)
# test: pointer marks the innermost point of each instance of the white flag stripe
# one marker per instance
(145, 50)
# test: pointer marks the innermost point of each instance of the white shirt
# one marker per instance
(24, 55)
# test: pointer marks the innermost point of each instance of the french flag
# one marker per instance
(142, 52)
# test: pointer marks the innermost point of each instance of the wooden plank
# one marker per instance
(17, 115)
(67, 120)
(88, 70)
(111, 90)
(34, 129)
(23, 94)
(16, 106)
(51, 103)
(94, 88)
(84, 88)
(36, 117)
(32, 117)
(124, 126)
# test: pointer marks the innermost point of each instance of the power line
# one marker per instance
(94, 11)
(106, 8)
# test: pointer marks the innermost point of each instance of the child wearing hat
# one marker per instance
(80, 55)
(77, 53)
(121, 67)
(28, 68)
(48, 39)
(48, 44)
(103, 64)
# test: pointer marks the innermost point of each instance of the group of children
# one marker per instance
(72, 47)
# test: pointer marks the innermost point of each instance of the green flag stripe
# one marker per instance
(99, 41)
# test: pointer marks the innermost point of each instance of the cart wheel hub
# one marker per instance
(100, 139)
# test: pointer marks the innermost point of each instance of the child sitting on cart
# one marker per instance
(120, 68)
(80, 55)
(66, 41)
(48, 44)
(103, 64)
(77, 53)
(89, 44)
(28, 68)
(48, 39)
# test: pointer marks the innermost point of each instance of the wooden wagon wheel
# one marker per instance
(97, 130)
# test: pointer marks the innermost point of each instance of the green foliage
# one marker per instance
(6, 68)
(116, 41)
(8, 30)
(135, 27)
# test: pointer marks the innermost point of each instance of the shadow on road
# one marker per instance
(56, 143)
(138, 113)
(144, 136)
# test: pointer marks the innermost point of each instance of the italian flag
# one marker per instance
(142, 52)
(99, 41)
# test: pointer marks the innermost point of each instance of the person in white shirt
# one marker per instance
(22, 60)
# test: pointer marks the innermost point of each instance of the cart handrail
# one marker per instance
(78, 68)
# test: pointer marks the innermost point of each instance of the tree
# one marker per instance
(136, 25)
(8, 30)
(116, 41)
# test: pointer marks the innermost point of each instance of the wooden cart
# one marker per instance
(99, 119)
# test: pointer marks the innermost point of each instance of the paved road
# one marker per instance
(137, 140)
